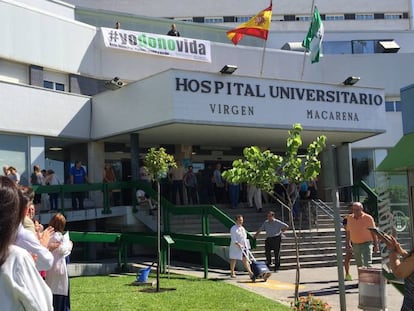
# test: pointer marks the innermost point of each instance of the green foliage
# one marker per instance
(263, 168)
(310, 303)
(158, 163)
(178, 292)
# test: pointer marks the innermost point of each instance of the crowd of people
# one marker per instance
(187, 186)
(33, 267)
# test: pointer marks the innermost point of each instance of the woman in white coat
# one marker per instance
(238, 242)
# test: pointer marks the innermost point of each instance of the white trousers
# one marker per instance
(255, 194)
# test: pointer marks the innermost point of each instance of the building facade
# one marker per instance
(74, 87)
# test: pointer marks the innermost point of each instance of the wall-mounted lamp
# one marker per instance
(228, 69)
(351, 80)
(55, 148)
(114, 84)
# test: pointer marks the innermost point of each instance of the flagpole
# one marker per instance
(263, 55)
(304, 52)
(264, 46)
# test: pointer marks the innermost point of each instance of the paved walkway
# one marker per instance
(321, 282)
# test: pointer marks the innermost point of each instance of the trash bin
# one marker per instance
(372, 289)
(143, 275)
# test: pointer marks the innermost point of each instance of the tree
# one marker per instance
(158, 163)
(264, 169)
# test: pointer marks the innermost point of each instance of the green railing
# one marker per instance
(198, 243)
(168, 209)
(371, 201)
(105, 188)
(203, 245)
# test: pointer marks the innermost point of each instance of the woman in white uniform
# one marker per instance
(238, 242)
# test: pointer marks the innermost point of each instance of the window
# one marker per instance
(303, 18)
(59, 87)
(389, 106)
(334, 17)
(14, 152)
(364, 16)
(199, 19)
(397, 106)
(213, 20)
(184, 19)
(48, 84)
(53, 85)
(289, 17)
(392, 16)
(337, 47)
(229, 19)
(363, 166)
(392, 106)
(242, 19)
(362, 46)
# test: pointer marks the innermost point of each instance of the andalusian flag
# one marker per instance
(313, 40)
(258, 26)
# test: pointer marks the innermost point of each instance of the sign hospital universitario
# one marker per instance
(264, 101)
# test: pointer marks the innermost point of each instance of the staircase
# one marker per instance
(317, 242)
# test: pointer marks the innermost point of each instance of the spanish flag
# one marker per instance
(258, 26)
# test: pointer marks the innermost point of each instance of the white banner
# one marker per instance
(155, 44)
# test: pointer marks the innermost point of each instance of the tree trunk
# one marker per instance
(158, 236)
(289, 207)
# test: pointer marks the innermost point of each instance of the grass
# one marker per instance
(104, 293)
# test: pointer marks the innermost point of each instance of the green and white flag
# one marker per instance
(313, 39)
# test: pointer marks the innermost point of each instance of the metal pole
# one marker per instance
(169, 260)
(338, 238)
(158, 237)
(337, 221)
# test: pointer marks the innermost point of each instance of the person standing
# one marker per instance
(35, 243)
(6, 170)
(238, 242)
(176, 176)
(190, 182)
(254, 193)
(234, 194)
(21, 286)
(274, 229)
(36, 179)
(77, 177)
(57, 277)
(109, 177)
(144, 174)
(14, 175)
(218, 184)
(402, 266)
(52, 180)
(358, 238)
(173, 31)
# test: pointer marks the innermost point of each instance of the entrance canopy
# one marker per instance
(198, 108)
(401, 157)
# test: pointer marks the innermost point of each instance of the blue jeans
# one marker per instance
(53, 199)
(234, 193)
(363, 253)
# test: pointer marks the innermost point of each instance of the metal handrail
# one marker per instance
(324, 207)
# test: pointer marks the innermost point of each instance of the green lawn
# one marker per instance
(105, 293)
